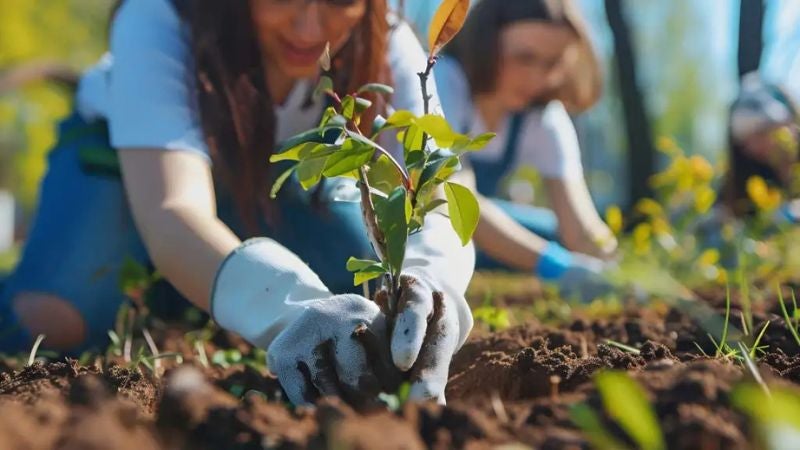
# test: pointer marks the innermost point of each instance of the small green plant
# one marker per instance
(741, 351)
(395, 197)
(626, 403)
(793, 320)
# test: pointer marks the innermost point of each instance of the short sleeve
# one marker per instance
(550, 143)
(454, 93)
(151, 91)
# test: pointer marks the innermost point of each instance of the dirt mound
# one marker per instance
(513, 387)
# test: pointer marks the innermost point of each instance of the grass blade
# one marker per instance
(789, 321)
(34, 349)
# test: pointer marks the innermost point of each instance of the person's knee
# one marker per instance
(52, 316)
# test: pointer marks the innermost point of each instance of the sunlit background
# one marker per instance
(686, 62)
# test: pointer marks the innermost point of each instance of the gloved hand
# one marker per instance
(337, 347)
(433, 318)
(578, 276)
(317, 343)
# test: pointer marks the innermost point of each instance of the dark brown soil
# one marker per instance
(510, 387)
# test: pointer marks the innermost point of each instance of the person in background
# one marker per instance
(193, 99)
(764, 142)
(519, 68)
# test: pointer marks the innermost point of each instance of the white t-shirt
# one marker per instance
(547, 140)
(145, 87)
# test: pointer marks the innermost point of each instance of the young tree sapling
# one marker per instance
(395, 197)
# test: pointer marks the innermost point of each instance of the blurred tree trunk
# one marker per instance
(751, 35)
(641, 150)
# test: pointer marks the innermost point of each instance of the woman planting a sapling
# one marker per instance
(194, 99)
(517, 68)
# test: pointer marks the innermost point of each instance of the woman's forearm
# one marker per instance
(172, 199)
(503, 239)
(581, 228)
(187, 249)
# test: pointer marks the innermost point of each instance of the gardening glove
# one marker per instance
(578, 276)
(433, 319)
(318, 344)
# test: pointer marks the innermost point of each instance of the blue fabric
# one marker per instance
(84, 231)
(539, 221)
(489, 174)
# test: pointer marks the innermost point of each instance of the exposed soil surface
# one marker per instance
(511, 389)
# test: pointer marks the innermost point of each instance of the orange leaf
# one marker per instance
(446, 23)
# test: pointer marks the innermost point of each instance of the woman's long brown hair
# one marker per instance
(236, 109)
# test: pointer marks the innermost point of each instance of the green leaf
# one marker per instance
(309, 171)
(348, 107)
(392, 220)
(329, 113)
(337, 121)
(440, 165)
(345, 161)
(324, 86)
(355, 264)
(432, 205)
(401, 118)
(378, 125)
(362, 139)
(377, 88)
(463, 209)
(437, 127)
(411, 138)
(367, 275)
(297, 152)
(474, 144)
(592, 426)
(780, 407)
(364, 270)
(383, 175)
(280, 181)
(362, 105)
(317, 135)
(626, 402)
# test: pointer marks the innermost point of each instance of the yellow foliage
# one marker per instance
(701, 168)
(764, 197)
(704, 198)
(709, 257)
(641, 238)
(649, 207)
(67, 31)
(614, 219)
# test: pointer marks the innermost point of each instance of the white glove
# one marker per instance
(433, 318)
(317, 343)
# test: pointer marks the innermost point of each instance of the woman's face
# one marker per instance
(293, 33)
(534, 59)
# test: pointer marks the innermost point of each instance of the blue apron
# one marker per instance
(489, 174)
(488, 178)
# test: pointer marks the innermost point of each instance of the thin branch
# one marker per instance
(423, 79)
